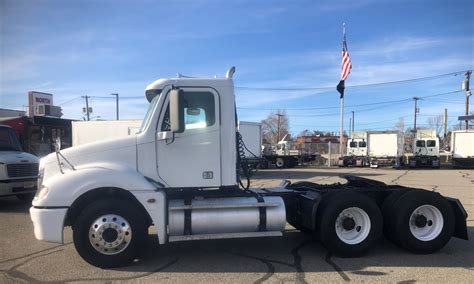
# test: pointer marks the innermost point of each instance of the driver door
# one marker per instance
(191, 158)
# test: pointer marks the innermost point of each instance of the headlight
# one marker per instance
(40, 176)
(41, 193)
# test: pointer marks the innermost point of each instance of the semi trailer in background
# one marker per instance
(385, 148)
(84, 132)
(356, 151)
(251, 149)
(462, 148)
(425, 149)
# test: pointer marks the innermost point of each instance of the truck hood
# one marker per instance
(17, 157)
(120, 151)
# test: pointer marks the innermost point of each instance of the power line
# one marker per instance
(351, 86)
(69, 101)
(358, 105)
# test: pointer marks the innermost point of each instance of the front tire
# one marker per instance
(349, 223)
(424, 222)
(109, 232)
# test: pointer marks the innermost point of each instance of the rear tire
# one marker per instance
(349, 223)
(109, 232)
(389, 212)
(424, 222)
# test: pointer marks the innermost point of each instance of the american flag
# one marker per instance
(345, 67)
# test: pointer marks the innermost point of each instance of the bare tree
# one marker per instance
(436, 123)
(400, 125)
(275, 121)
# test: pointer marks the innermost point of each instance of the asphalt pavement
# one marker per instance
(295, 257)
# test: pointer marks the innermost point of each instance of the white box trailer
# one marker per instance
(385, 148)
(252, 136)
(462, 148)
(84, 132)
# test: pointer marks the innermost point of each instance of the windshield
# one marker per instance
(147, 119)
(8, 140)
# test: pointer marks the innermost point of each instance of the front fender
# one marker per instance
(64, 189)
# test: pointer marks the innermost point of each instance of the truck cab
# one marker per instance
(425, 149)
(356, 151)
(18, 169)
(179, 174)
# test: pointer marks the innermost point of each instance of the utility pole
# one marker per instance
(416, 111)
(445, 122)
(279, 115)
(468, 93)
(352, 122)
(350, 126)
(116, 104)
(87, 106)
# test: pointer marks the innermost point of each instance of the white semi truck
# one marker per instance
(178, 174)
(356, 151)
(462, 148)
(385, 148)
(425, 149)
(18, 169)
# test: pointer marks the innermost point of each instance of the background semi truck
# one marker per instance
(356, 151)
(18, 169)
(425, 149)
(385, 148)
(282, 156)
(462, 148)
(179, 174)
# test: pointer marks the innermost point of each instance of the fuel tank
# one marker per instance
(226, 215)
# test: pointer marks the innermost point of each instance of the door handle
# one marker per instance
(164, 135)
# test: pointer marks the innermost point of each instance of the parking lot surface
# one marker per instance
(295, 257)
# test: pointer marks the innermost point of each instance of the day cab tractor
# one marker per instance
(179, 174)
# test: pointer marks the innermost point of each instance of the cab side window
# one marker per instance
(199, 111)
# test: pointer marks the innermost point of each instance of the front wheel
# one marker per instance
(280, 163)
(109, 232)
(349, 223)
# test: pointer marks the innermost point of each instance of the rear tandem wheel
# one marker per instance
(421, 221)
(349, 223)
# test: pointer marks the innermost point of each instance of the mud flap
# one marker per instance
(460, 214)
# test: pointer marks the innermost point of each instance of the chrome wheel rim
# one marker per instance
(110, 234)
(426, 223)
(353, 225)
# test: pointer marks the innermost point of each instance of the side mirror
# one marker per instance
(177, 111)
(57, 144)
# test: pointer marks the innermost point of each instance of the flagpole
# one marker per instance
(341, 130)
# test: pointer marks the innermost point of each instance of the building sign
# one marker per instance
(37, 99)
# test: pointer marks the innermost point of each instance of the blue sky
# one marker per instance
(77, 48)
